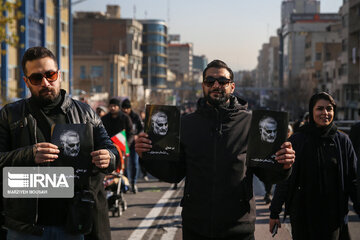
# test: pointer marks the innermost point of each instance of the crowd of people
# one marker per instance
(318, 163)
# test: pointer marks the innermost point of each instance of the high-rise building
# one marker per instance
(199, 62)
(294, 38)
(273, 76)
(289, 7)
(180, 59)
(263, 67)
(45, 23)
(155, 53)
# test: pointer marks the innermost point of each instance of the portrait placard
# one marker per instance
(268, 131)
(162, 124)
(75, 142)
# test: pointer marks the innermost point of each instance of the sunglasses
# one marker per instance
(209, 81)
(36, 78)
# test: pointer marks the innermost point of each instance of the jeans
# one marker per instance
(50, 233)
(133, 165)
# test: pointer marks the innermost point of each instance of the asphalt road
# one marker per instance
(154, 214)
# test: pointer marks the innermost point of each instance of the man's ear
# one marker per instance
(232, 87)
(26, 82)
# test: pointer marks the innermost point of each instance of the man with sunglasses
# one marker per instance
(25, 130)
(218, 200)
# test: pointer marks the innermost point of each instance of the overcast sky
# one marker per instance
(230, 30)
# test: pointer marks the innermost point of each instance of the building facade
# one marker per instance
(180, 59)
(289, 7)
(199, 62)
(108, 35)
(263, 67)
(294, 40)
(350, 66)
(45, 23)
(91, 70)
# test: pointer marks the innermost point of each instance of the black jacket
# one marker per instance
(218, 197)
(290, 191)
(115, 125)
(17, 131)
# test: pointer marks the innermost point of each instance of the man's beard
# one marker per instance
(220, 100)
(44, 97)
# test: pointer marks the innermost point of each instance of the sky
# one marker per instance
(230, 30)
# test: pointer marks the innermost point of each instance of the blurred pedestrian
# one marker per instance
(323, 178)
(137, 127)
(101, 111)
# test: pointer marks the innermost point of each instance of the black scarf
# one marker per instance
(313, 176)
(314, 154)
(47, 114)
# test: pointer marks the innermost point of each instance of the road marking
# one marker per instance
(171, 231)
(152, 215)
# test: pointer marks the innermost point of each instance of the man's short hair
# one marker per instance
(218, 64)
(34, 53)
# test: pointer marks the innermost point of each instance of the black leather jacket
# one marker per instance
(17, 139)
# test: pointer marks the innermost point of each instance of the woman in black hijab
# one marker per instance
(323, 178)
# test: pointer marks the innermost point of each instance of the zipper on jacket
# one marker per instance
(216, 135)
(37, 198)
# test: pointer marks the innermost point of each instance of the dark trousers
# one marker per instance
(268, 188)
(191, 235)
(133, 165)
(299, 233)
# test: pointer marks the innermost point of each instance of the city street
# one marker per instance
(154, 214)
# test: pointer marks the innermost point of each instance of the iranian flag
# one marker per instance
(120, 140)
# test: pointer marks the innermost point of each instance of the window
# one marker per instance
(96, 71)
(155, 28)
(64, 3)
(328, 56)
(82, 72)
(344, 20)
(63, 27)
(122, 72)
(318, 56)
(64, 76)
(63, 51)
(343, 70)
(344, 45)
(36, 5)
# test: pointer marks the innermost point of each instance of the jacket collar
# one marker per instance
(236, 104)
(67, 102)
